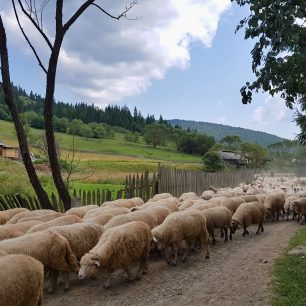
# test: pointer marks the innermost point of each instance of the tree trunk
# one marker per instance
(48, 117)
(23, 143)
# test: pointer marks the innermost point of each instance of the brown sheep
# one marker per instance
(32, 213)
(8, 231)
(188, 196)
(160, 196)
(82, 237)
(203, 205)
(218, 217)
(128, 203)
(274, 204)
(117, 248)
(232, 203)
(299, 207)
(170, 203)
(159, 212)
(249, 198)
(50, 248)
(247, 214)
(207, 194)
(138, 215)
(186, 204)
(22, 280)
(43, 218)
(105, 214)
(64, 220)
(6, 215)
(80, 211)
(188, 225)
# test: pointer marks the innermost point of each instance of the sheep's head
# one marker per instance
(235, 226)
(90, 266)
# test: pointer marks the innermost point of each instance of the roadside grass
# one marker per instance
(290, 275)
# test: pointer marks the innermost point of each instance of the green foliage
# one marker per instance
(231, 142)
(290, 277)
(156, 135)
(131, 137)
(212, 162)
(193, 143)
(254, 153)
(279, 53)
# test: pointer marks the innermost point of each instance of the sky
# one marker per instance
(178, 58)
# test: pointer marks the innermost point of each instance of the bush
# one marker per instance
(212, 162)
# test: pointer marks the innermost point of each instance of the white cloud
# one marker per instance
(105, 60)
(273, 109)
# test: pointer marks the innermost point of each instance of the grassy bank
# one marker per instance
(290, 276)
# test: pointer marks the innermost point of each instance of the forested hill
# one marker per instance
(220, 130)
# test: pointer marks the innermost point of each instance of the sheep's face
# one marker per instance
(235, 226)
(90, 266)
(161, 245)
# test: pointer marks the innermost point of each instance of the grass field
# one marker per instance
(290, 276)
(104, 163)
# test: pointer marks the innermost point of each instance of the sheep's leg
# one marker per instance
(212, 235)
(245, 231)
(221, 233)
(231, 233)
(186, 251)
(108, 279)
(257, 232)
(66, 281)
(143, 268)
(262, 228)
(226, 234)
(129, 275)
(54, 277)
(175, 250)
(168, 254)
(277, 215)
(207, 250)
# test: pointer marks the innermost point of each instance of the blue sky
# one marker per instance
(183, 61)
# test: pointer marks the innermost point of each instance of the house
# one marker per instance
(233, 158)
(9, 152)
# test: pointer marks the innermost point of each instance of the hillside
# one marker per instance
(220, 130)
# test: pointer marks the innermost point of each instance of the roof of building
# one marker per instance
(229, 155)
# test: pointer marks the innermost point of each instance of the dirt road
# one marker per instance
(237, 274)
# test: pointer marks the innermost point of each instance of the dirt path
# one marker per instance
(238, 273)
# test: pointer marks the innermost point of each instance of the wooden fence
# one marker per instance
(177, 181)
(135, 186)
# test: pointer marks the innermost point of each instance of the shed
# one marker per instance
(9, 151)
(233, 158)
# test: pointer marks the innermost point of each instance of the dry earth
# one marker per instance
(238, 273)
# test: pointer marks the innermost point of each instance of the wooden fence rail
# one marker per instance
(177, 181)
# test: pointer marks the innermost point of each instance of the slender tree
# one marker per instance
(21, 135)
(34, 13)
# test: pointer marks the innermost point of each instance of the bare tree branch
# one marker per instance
(35, 24)
(27, 39)
(123, 14)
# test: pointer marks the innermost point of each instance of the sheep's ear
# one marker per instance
(154, 239)
(97, 263)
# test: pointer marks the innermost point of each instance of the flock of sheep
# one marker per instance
(38, 245)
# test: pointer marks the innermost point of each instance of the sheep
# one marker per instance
(247, 214)
(218, 217)
(43, 218)
(203, 205)
(117, 248)
(22, 280)
(82, 237)
(274, 203)
(104, 212)
(32, 213)
(80, 211)
(160, 196)
(159, 212)
(207, 194)
(65, 220)
(188, 225)
(128, 203)
(6, 215)
(50, 248)
(232, 203)
(189, 196)
(186, 204)
(170, 203)
(8, 231)
(299, 207)
(138, 215)
(249, 198)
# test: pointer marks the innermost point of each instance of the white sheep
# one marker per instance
(117, 248)
(6, 215)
